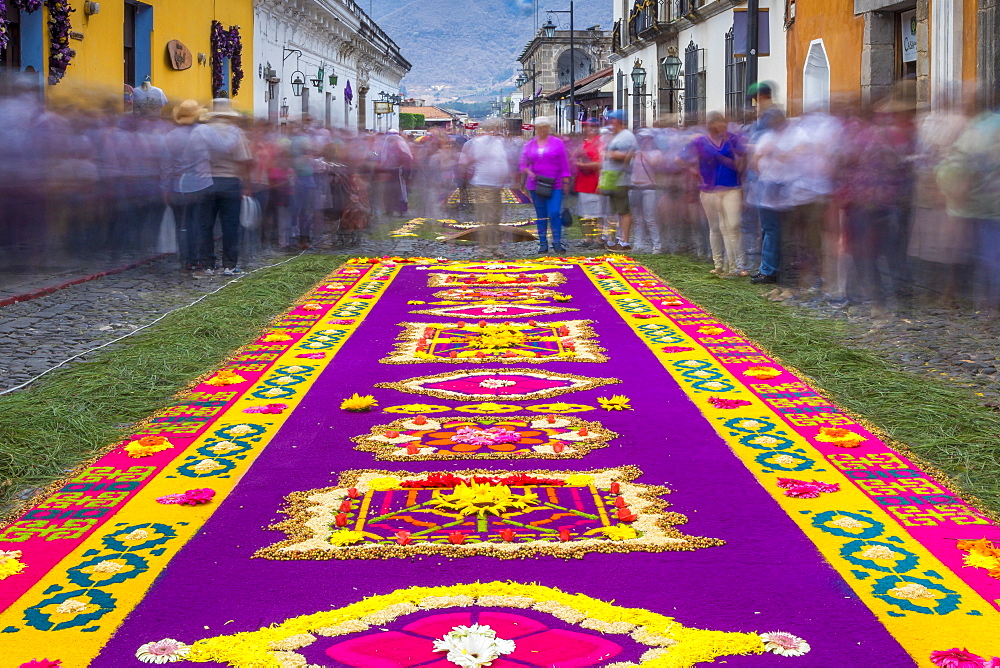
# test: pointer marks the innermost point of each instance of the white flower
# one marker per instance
(784, 644)
(473, 646)
(494, 383)
(167, 650)
(71, 606)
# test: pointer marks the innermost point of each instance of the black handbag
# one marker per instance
(544, 186)
(567, 218)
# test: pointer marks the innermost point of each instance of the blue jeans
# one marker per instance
(770, 245)
(548, 210)
(224, 202)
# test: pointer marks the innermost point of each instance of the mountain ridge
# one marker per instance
(462, 49)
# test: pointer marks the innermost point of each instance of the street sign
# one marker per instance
(528, 127)
(471, 126)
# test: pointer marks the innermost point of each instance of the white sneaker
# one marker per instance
(231, 271)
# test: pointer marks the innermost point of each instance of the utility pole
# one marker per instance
(753, 14)
(572, 70)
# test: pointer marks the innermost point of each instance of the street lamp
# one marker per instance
(671, 73)
(523, 78)
(298, 82)
(317, 81)
(671, 65)
(638, 75)
(549, 29)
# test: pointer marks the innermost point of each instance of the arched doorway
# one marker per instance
(816, 79)
(579, 61)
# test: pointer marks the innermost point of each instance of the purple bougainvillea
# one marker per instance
(60, 54)
(226, 44)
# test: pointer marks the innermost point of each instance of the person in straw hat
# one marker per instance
(230, 159)
(187, 178)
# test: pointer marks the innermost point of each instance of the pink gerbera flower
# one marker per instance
(42, 663)
(784, 644)
(956, 658)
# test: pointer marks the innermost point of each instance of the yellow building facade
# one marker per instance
(123, 42)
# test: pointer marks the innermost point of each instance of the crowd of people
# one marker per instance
(860, 203)
(202, 182)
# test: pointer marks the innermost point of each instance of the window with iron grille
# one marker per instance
(736, 77)
(694, 82)
(621, 90)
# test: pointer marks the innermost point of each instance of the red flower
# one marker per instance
(456, 537)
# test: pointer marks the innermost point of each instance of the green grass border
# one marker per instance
(77, 414)
(947, 427)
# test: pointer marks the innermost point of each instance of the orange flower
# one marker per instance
(147, 445)
(982, 546)
(844, 438)
(710, 330)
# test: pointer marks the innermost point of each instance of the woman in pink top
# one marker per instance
(545, 164)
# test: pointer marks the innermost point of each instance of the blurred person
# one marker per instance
(761, 98)
(440, 178)
(717, 159)
(672, 206)
(187, 179)
(942, 242)
(230, 160)
(770, 196)
(795, 183)
(484, 166)
(647, 167)
(395, 161)
(618, 153)
(591, 205)
(873, 177)
(305, 195)
(969, 178)
(545, 165)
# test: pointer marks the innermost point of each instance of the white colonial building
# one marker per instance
(701, 38)
(326, 59)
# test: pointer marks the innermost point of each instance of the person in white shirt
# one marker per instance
(485, 162)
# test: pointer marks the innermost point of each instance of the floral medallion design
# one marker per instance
(509, 342)
(376, 514)
(506, 294)
(508, 384)
(532, 642)
(493, 311)
(539, 437)
(548, 627)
